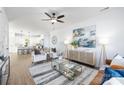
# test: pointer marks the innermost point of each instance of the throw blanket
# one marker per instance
(110, 73)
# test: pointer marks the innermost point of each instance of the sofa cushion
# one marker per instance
(53, 50)
(114, 81)
(37, 52)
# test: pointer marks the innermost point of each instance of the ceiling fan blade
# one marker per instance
(48, 14)
(60, 21)
(46, 19)
(61, 16)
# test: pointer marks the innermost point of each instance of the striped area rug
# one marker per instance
(43, 74)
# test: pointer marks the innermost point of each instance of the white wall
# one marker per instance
(61, 36)
(15, 27)
(4, 41)
(109, 25)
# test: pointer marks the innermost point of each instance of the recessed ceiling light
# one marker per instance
(106, 8)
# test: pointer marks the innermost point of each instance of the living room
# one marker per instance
(58, 46)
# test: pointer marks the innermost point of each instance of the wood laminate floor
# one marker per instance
(19, 70)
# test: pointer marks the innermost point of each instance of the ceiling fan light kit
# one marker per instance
(53, 21)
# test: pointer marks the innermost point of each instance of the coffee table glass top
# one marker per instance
(68, 68)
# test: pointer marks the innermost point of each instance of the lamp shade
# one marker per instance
(103, 41)
(66, 42)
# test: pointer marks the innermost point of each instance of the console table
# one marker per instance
(4, 71)
(86, 56)
(24, 50)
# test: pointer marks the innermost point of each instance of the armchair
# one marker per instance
(39, 57)
(54, 55)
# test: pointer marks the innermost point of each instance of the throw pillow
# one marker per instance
(117, 61)
(120, 71)
(109, 73)
(2, 57)
(54, 50)
(37, 52)
(112, 73)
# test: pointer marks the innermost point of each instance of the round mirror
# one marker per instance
(54, 40)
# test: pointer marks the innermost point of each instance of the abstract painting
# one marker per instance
(86, 36)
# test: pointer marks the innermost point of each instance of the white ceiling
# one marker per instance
(31, 16)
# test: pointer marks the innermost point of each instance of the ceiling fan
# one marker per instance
(53, 18)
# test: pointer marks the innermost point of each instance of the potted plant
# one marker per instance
(74, 43)
(26, 42)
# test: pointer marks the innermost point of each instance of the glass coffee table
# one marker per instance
(67, 68)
